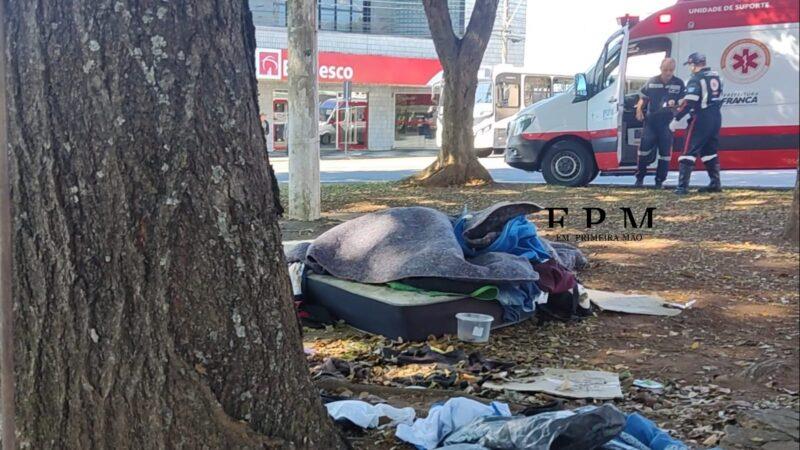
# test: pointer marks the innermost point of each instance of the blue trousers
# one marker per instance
(656, 141)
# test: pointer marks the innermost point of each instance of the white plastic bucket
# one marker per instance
(473, 327)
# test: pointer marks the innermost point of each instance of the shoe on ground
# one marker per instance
(681, 191)
(659, 185)
(709, 189)
(639, 183)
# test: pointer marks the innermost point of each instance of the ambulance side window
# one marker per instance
(610, 68)
(607, 68)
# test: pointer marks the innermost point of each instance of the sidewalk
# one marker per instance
(332, 154)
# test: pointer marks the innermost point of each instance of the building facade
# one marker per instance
(384, 50)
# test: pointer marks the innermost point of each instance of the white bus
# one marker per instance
(502, 91)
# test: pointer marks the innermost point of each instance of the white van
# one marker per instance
(591, 129)
(502, 91)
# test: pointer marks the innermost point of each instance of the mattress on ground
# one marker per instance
(395, 314)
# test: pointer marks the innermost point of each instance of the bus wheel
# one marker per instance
(569, 163)
(483, 152)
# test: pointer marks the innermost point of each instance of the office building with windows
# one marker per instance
(384, 49)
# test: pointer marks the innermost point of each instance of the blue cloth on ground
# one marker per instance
(517, 299)
(518, 237)
(445, 418)
(641, 433)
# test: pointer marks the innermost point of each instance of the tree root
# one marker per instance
(460, 173)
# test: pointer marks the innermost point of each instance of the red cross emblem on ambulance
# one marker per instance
(745, 61)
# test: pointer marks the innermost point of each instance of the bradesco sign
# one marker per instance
(273, 64)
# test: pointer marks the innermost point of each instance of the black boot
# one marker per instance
(712, 167)
(659, 185)
(684, 174)
(639, 182)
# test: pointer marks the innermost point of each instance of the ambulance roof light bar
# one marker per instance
(628, 20)
(664, 18)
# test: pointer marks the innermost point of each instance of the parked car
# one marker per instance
(327, 132)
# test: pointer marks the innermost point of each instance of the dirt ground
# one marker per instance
(737, 348)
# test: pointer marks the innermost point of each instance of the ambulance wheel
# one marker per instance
(569, 163)
(483, 152)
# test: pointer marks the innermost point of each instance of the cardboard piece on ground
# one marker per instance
(631, 304)
(567, 383)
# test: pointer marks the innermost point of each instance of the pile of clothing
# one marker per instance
(466, 424)
(491, 254)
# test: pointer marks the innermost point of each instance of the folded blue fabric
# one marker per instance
(517, 299)
(518, 237)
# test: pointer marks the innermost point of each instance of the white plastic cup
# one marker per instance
(473, 327)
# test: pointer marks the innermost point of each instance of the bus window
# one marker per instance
(507, 96)
(561, 84)
(483, 94)
(483, 100)
(536, 88)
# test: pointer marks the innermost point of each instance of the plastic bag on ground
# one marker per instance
(463, 447)
(475, 430)
(584, 428)
(366, 415)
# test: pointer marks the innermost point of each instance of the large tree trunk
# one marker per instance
(456, 163)
(792, 230)
(151, 297)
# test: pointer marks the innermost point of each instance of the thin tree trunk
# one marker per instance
(304, 187)
(456, 163)
(151, 297)
(791, 232)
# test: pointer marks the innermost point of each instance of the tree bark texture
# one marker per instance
(152, 302)
(791, 232)
(456, 163)
(304, 188)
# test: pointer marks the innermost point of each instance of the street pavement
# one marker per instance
(361, 167)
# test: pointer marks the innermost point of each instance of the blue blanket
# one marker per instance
(518, 237)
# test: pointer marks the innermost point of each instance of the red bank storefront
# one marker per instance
(390, 107)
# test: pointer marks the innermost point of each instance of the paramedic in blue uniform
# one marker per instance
(703, 100)
(661, 95)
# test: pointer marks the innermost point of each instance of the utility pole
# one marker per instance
(504, 32)
(6, 300)
(303, 124)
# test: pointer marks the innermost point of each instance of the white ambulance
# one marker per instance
(591, 129)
